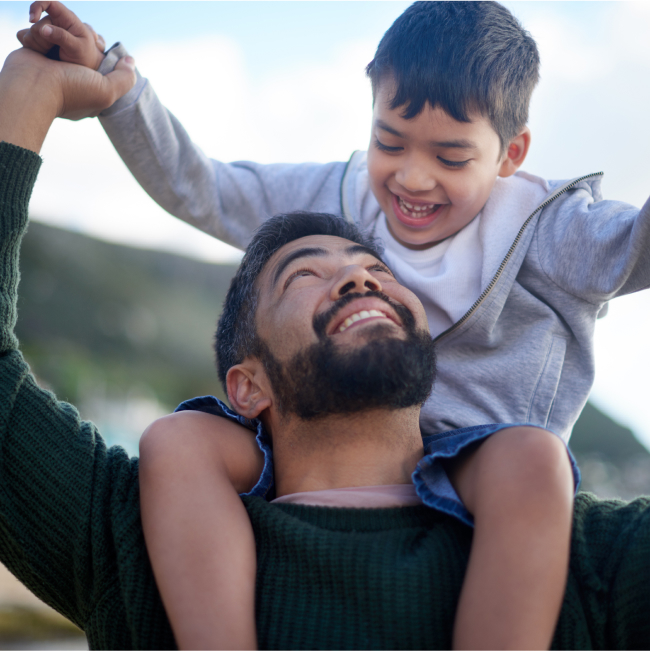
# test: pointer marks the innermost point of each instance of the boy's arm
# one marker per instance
(595, 249)
(227, 201)
(199, 537)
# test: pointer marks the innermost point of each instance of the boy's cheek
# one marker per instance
(376, 178)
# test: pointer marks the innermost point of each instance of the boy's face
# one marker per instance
(432, 174)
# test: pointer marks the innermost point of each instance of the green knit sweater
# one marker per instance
(327, 578)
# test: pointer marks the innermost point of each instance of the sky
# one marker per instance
(284, 82)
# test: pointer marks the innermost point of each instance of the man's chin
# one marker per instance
(386, 372)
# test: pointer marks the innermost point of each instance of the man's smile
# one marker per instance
(360, 309)
(361, 316)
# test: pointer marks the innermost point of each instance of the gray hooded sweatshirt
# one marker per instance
(523, 352)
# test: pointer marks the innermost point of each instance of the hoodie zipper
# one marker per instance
(511, 250)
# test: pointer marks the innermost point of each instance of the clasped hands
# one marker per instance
(34, 89)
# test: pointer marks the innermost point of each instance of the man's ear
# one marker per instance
(248, 389)
(515, 153)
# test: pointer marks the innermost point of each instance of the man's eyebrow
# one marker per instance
(307, 251)
(460, 143)
(360, 248)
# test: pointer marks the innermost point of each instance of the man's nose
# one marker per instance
(415, 174)
(354, 278)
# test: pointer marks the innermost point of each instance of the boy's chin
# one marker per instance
(411, 238)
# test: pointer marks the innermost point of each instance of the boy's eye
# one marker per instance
(453, 163)
(382, 147)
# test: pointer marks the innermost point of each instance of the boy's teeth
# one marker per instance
(358, 316)
(416, 211)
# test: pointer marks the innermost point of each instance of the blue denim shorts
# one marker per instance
(430, 478)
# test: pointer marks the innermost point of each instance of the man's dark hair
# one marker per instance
(466, 57)
(235, 339)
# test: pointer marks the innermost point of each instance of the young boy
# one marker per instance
(512, 271)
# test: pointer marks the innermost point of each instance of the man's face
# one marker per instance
(338, 333)
(432, 174)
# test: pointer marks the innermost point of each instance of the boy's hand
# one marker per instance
(78, 43)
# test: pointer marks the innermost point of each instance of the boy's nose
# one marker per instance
(354, 278)
(416, 176)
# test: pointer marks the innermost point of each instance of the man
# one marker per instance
(69, 508)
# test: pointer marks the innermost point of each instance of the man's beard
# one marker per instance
(384, 373)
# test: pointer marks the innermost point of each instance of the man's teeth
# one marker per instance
(358, 316)
(416, 210)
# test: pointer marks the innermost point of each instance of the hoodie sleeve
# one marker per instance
(594, 250)
(226, 200)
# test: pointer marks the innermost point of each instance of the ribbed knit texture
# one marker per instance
(327, 578)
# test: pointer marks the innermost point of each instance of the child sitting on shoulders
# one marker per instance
(512, 270)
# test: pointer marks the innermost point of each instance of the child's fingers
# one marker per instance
(35, 11)
(59, 14)
(71, 45)
(32, 38)
(99, 39)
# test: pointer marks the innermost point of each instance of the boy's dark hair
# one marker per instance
(466, 57)
(236, 331)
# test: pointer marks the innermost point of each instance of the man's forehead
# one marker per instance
(309, 246)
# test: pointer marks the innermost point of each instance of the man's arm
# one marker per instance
(56, 476)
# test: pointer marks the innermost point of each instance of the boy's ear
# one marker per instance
(515, 153)
(247, 387)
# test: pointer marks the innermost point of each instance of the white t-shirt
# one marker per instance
(449, 277)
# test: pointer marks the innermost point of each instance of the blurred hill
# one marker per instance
(126, 334)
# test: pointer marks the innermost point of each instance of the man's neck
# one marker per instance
(372, 448)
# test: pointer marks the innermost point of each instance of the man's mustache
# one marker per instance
(321, 321)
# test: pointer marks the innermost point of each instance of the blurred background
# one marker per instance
(119, 299)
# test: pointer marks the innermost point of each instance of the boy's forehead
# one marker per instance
(437, 118)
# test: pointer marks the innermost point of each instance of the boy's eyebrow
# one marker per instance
(458, 144)
(447, 144)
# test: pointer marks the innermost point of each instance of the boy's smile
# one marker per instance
(432, 174)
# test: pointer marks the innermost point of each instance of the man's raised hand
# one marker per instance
(35, 90)
(78, 42)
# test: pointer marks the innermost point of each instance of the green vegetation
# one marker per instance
(18, 623)
(102, 319)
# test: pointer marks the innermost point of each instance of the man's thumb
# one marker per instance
(122, 78)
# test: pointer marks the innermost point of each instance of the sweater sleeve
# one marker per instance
(595, 250)
(227, 201)
(61, 490)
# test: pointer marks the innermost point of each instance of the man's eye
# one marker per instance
(380, 267)
(382, 147)
(298, 274)
(453, 163)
